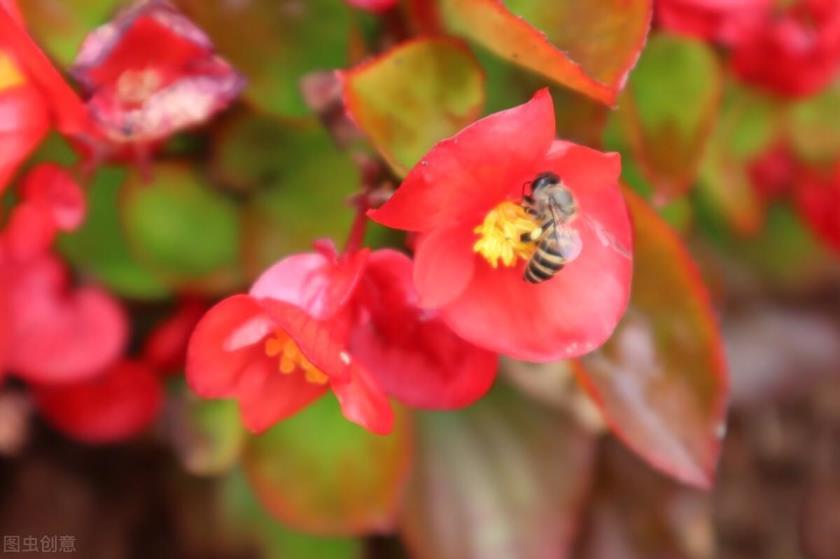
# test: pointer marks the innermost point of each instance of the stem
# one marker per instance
(356, 236)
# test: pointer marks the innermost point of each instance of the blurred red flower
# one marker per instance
(152, 72)
(795, 52)
(718, 20)
(116, 405)
(463, 199)
(816, 194)
(373, 5)
(318, 321)
(166, 347)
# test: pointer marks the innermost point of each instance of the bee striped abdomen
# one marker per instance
(546, 261)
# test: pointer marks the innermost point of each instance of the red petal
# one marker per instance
(224, 343)
(52, 188)
(23, 124)
(312, 281)
(266, 396)
(578, 309)
(166, 347)
(444, 264)
(61, 336)
(114, 406)
(415, 357)
(363, 402)
(462, 177)
(29, 233)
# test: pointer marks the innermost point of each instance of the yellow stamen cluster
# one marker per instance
(10, 74)
(290, 358)
(500, 235)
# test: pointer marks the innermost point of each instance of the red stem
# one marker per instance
(356, 236)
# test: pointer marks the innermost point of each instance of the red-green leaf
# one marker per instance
(206, 434)
(405, 116)
(814, 130)
(669, 109)
(319, 473)
(504, 478)
(587, 46)
(661, 380)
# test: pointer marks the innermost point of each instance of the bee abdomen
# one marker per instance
(543, 265)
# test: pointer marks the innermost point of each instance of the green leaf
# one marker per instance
(275, 42)
(668, 111)
(60, 26)
(555, 37)
(99, 246)
(246, 518)
(503, 478)
(749, 123)
(814, 130)
(405, 115)
(179, 226)
(300, 184)
(319, 473)
(206, 434)
(661, 380)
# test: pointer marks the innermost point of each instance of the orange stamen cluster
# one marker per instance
(290, 358)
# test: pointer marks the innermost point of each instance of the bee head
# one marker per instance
(544, 180)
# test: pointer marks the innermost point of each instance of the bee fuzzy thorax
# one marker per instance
(506, 235)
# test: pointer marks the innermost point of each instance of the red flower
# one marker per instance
(373, 5)
(316, 322)
(772, 173)
(816, 194)
(464, 199)
(719, 20)
(55, 334)
(116, 405)
(166, 347)
(152, 72)
(794, 53)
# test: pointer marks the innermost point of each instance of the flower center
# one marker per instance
(136, 86)
(290, 358)
(507, 233)
(10, 75)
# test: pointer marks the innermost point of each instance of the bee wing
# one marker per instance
(565, 240)
(605, 237)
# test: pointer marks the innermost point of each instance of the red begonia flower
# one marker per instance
(56, 334)
(772, 173)
(152, 72)
(718, 20)
(816, 194)
(24, 118)
(373, 5)
(320, 321)
(166, 347)
(793, 53)
(116, 405)
(463, 199)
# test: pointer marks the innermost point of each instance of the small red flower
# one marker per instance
(373, 5)
(117, 404)
(793, 53)
(152, 72)
(773, 172)
(55, 334)
(166, 347)
(464, 200)
(718, 20)
(816, 195)
(318, 321)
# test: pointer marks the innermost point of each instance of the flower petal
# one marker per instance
(266, 396)
(24, 121)
(467, 174)
(444, 264)
(223, 344)
(312, 281)
(415, 357)
(52, 188)
(363, 402)
(578, 309)
(114, 406)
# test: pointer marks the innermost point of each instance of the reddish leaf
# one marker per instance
(661, 380)
(318, 473)
(504, 478)
(558, 41)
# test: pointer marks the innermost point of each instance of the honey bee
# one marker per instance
(554, 207)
